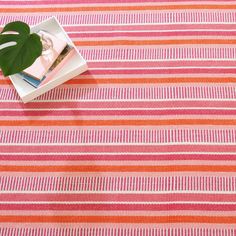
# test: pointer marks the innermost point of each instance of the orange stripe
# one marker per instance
(155, 42)
(184, 168)
(118, 219)
(118, 8)
(149, 80)
(77, 80)
(116, 122)
(5, 81)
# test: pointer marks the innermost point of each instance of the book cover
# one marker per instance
(62, 59)
(56, 66)
(34, 82)
(53, 47)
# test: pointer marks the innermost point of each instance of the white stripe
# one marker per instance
(114, 153)
(146, 3)
(166, 60)
(125, 100)
(191, 2)
(151, 30)
(118, 109)
(160, 68)
(119, 192)
(154, 23)
(114, 202)
(158, 23)
(119, 144)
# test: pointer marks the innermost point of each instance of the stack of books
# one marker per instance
(56, 52)
(59, 62)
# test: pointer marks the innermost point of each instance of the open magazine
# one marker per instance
(56, 53)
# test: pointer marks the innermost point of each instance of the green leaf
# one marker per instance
(28, 47)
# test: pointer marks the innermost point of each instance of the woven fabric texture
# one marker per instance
(144, 142)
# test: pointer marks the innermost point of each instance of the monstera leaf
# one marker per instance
(17, 57)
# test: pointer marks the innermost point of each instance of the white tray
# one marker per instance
(75, 65)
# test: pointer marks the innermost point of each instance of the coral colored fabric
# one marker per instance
(144, 143)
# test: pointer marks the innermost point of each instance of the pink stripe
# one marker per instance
(120, 112)
(146, 27)
(108, 104)
(152, 34)
(121, 207)
(43, 2)
(74, 119)
(127, 157)
(156, 64)
(122, 198)
(136, 71)
(139, 39)
(196, 71)
(120, 148)
(162, 163)
(118, 213)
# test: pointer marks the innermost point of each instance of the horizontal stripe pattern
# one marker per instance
(121, 136)
(82, 231)
(144, 142)
(124, 8)
(170, 53)
(176, 92)
(131, 18)
(118, 184)
(119, 219)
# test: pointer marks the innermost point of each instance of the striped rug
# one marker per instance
(144, 143)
